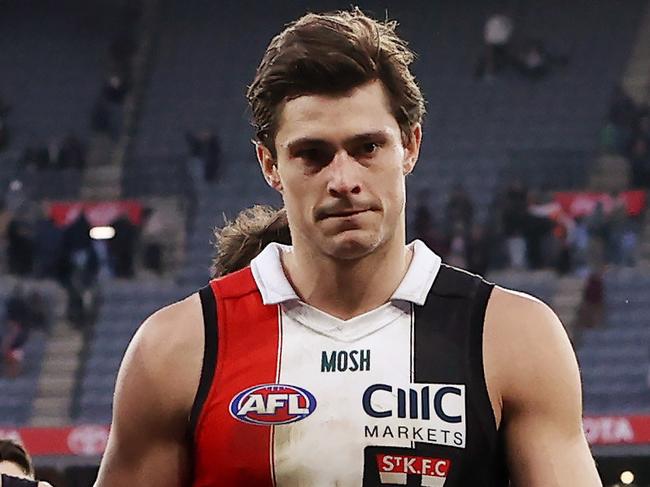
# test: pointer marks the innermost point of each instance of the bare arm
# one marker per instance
(155, 389)
(539, 385)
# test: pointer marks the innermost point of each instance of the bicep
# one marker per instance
(148, 443)
(542, 407)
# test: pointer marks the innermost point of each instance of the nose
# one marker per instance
(344, 176)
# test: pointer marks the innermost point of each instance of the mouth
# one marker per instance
(346, 213)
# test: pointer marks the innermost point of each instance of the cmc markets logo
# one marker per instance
(412, 403)
(395, 469)
(88, 440)
(269, 404)
(425, 413)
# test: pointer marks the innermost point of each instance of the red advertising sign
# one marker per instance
(90, 440)
(83, 440)
(98, 213)
(614, 430)
(581, 203)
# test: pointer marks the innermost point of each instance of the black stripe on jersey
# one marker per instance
(209, 307)
(448, 349)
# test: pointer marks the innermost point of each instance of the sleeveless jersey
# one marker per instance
(291, 396)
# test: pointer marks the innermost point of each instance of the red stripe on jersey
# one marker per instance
(229, 451)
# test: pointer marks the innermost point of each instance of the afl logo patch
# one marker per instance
(269, 404)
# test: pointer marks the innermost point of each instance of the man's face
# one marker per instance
(340, 167)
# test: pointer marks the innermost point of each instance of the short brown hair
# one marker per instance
(333, 53)
(14, 452)
(240, 240)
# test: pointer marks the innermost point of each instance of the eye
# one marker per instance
(370, 147)
(367, 149)
(314, 156)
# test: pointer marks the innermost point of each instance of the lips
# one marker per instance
(343, 214)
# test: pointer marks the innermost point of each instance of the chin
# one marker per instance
(352, 245)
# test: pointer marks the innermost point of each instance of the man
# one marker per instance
(348, 358)
(16, 469)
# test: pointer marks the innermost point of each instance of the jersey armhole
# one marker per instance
(209, 308)
(477, 331)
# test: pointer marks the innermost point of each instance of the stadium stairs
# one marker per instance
(636, 79)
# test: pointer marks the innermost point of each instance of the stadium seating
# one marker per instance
(615, 359)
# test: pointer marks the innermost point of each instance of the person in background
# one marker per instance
(16, 467)
(592, 307)
(205, 151)
(497, 34)
(79, 271)
(425, 226)
(47, 245)
(16, 332)
(20, 248)
(514, 220)
(121, 248)
(460, 209)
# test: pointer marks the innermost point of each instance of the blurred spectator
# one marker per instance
(16, 466)
(152, 240)
(71, 153)
(16, 331)
(16, 196)
(629, 243)
(478, 250)
(514, 220)
(425, 226)
(460, 208)
(639, 156)
(534, 61)
(537, 229)
(497, 33)
(642, 126)
(35, 157)
(115, 88)
(579, 241)
(20, 247)
(621, 122)
(79, 271)
(121, 248)
(205, 151)
(599, 232)
(38, 316)
(457, 254)
(103, 119)
(617, 221)
(47, 245)
(591, 310)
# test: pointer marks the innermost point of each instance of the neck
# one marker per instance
(347, 288)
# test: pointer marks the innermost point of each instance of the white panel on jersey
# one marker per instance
(327, 448)
(360, 373)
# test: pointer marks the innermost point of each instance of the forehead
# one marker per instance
(332, 117)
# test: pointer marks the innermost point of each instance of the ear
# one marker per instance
(269, 166)
(412, 149)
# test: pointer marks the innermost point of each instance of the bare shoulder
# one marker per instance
(154, 393)
(168, 347)
(174, 328)
(522, 316)
(525, 344)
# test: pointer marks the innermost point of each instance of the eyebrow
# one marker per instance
(313, 141)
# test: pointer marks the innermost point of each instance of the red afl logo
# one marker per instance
(269, 404)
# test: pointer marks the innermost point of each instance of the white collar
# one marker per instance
(276, 288)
